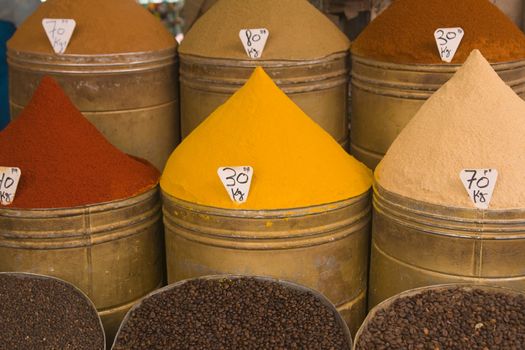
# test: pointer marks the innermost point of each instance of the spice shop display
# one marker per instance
(431, 224)
(306, 215)
(305, 53)
(230, 312)
(83, 211)
(396, 64)
(40, 312)
(119, 69)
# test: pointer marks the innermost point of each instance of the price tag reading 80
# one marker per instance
(479, 184)
(447, 41)
(254, 41)
(237, 181)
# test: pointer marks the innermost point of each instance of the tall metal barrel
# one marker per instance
(385, 96)
(289, 285)
(441, 287)
(132, 98)
(417, 244)
(112, 251)
(323, 247)
(318, 86)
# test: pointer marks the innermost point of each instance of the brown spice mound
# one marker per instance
(65, 161)
(404, 33)
(103, 27)
(38, 313)
(298, 31)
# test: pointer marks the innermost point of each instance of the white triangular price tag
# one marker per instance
(479, 184)
(237, 181)
(59, 32)
(9, 178)
(254, 41)
(447, 41)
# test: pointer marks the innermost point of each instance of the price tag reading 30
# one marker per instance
(59, 32)
(448, 40)
(254, 41)
(9, 178)
(237, 181)
(479, 184)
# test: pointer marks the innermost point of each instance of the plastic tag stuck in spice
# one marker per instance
(237, 181)
(9, 178)
(479, 184)
(254, 41)
(59, 32)
(447, 41)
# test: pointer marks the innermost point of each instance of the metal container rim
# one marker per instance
(228, 62)
(91, 208)
(263, 213)
(410, 292)
(93, 59)
(292, 285)
(440, 211)
(429, 67)
(86, 298)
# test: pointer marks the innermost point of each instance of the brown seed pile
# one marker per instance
(454, 318)
(37, 313)
(231, 314)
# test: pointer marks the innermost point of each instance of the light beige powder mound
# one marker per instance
(473, 121)
(298, 31)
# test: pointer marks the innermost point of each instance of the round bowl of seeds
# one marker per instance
(233, 312)
(448, 316)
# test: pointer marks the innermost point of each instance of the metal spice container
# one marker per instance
(132, 98)
(323, 247)
(417, 244)
(319, 87)
(385, 96)
(112, 251)
(289, 285)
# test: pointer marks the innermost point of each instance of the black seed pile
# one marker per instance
(229, 314)
(455, 319)
(37, 314)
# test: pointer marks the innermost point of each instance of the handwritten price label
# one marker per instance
(9, 178)
(59, 32)
(237, 181)
(447, 41)
(254, 41)
(479, 184)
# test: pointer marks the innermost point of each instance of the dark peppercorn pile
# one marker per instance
(232, 314)
(454, 318)
(37, 314)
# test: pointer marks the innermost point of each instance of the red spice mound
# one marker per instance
(65, 161)
(404, 33)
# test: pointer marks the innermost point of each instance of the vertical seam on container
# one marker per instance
(88, 244)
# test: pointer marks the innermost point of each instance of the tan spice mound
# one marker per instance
(103, 27)
(298, 31)
(474, 121)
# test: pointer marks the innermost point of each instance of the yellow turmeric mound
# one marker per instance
(295, 162)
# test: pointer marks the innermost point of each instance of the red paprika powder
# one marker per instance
(65, 161)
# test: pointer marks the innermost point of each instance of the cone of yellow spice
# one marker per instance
(295, 162)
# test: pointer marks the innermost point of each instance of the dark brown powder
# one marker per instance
(404, 33)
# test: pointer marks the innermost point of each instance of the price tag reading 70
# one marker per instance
(237, 181)
(479, 184)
